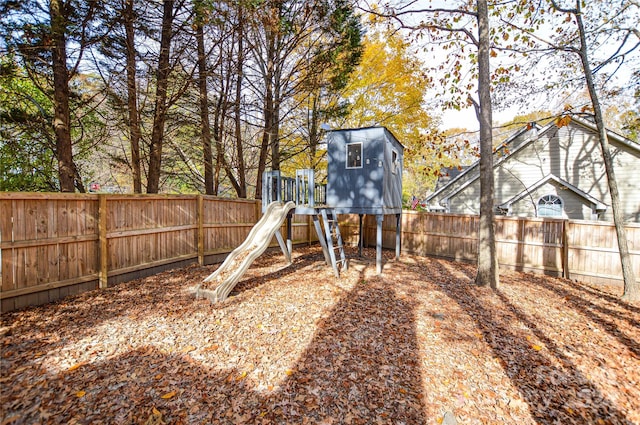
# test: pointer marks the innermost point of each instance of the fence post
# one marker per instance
(565, 249)
(103, 246)
(258, 208)
(200, 220)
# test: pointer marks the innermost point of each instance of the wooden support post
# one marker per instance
(379, 219)
(360, 237)
(283, 246)
(103, 247)
(258, 209)
(321, 238)
(398, 234)
(565, 250)
(289, 237)
(329, 224)
(200, 220)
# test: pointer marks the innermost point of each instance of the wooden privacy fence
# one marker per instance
(579, 250)
(54, 245)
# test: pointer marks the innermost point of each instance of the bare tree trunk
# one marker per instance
(217, 137)
(132, 96)
(267, 134)
(631, 285)
(487, 257)
(204, 112)
(266, 140)
(218, 134)
(275, 125)
(314, 134)
(159, 116)
(238, 117)
(62, 116)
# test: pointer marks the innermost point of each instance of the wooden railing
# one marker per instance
(303, 190)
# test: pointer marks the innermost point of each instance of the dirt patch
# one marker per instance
(292, 344)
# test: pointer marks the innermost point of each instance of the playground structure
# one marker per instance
(364, 176)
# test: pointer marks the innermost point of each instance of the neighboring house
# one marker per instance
(551, 171)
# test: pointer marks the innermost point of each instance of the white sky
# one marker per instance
(467, 119)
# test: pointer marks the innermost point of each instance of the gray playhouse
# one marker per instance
(364, 171)
(364, 176)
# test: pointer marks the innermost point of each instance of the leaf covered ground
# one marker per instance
(292, 344)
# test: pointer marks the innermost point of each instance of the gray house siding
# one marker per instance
(466, 201)
(627, 168)
(569, 154)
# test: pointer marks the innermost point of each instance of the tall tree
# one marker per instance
(160, 108)
(487, 255)
(200, 17)
(267, 55)
(320, 100)
(135, 133)
(579, 45)
(454, 27)
(62, 116)
(39, 34)
(237, 105)
(387, 88)
(591, 45)
(230, 156)
(288, 39)
(119, 66)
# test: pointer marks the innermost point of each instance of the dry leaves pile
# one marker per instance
(292, 344)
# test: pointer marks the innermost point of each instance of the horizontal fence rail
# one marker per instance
(55, 245)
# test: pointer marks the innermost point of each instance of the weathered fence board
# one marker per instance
(150, 230)
(580, 250)
(593, 251)
(48, 243)
(54, 245)
(227, 223)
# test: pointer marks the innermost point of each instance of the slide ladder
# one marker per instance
(217, 286)
(331, 240)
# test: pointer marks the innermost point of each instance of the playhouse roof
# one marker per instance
(379, 127)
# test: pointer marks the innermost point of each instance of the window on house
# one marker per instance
(550, 206)
(354, 155)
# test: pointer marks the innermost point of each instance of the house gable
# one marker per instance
(575, 202)
(570, 154)
(468, 176)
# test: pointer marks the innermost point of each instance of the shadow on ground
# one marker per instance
(555, 394)
(361, 367)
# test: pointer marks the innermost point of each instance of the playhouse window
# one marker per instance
(394, 162)
(354, 155)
